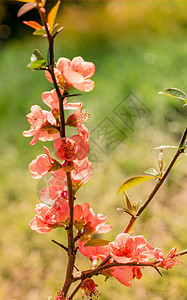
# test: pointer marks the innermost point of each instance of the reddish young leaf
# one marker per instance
(33, 24)
(52, 15)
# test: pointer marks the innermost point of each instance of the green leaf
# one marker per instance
(183, 155)
(138, 205)
(96, 243)
(173, 92)
(165, 147)
(133, 181)
(40, 31)
(52, 15)
(151, 171)
(37, 61)
(127, 202)
(126, 210)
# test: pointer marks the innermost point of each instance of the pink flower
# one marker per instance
(42, 165)
(82, 170)
(82, 146)
(93, 252)
(88, 222)
(75, 74)
(47, 217)
(71, 148)
(88, 287)
(65, 149)
(78, 117)
(43, 125)
(49, 194)
(127, 249)
(169, 261)
(83, 132)
(125, 274)
(50, 98)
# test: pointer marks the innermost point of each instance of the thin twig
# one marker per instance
(155, 190)
(75, 290)
(61, 245)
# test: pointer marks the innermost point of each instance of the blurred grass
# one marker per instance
(136, 47)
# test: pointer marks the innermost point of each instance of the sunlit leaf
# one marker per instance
(173, 92)
(126, 210)
(37, 61)
(126, 201)
(25, 8)
(52, 15)
(76, 185)
(151, 171)
(133, 181)
(183, 155)
(56, 30)
(33, 24)
(30, 1)
(96, 243)
(138, 205)
(40, 31)
(165, 147)
(183, 146)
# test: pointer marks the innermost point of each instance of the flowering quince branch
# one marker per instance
(123, 258)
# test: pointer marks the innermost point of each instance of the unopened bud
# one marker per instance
(68, 166)
(160, 160)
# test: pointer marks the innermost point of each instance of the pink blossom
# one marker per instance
(47, 217)
(78, 117)
(65, 148)
(89, 222)
(166, 262)
(75, 74)
(71, 148)
(82, 170)
(93, 252)
(42, 165)
(82, 146)
(125, 274)
(43, 125)
(127, 249)
(49, 194)
(83, 132)
(50, 98)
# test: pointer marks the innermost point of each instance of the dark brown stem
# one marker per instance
(50, 69)
(71, 245)
(99, 269)
(181, 253)
(42, 13)
(60, 99)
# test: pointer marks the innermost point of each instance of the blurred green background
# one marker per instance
(138, 48)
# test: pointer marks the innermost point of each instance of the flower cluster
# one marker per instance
(71, 153)
(128, 250)
(124, 257)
